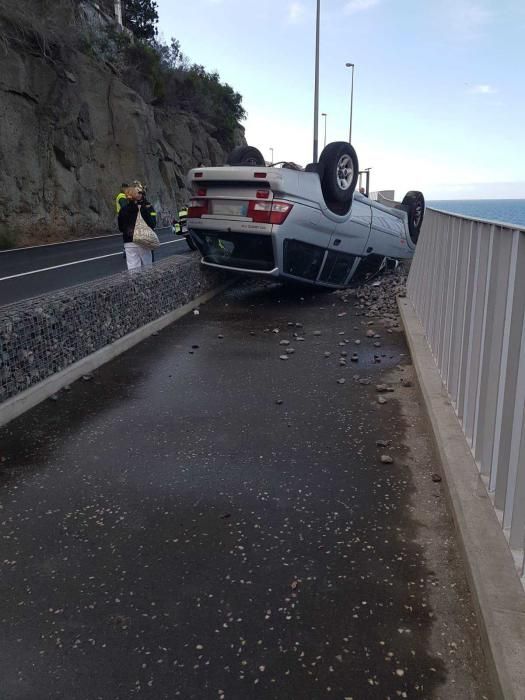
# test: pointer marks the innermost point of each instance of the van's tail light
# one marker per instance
(280, 211)
(269, 212)
(197, 208)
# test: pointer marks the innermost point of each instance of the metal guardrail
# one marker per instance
(467, 286)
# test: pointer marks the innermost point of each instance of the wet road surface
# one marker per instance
(215, 522)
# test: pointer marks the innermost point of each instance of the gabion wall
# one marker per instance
(44, 335)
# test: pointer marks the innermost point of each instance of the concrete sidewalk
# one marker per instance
(203, 519)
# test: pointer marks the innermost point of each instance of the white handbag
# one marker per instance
(143, 235)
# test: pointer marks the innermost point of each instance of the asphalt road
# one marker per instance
(28, 272)
(203, 520)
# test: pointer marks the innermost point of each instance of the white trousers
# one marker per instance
(137, 256)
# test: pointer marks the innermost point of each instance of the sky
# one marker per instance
(439, 98)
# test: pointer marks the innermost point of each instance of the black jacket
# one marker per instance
(127, 218)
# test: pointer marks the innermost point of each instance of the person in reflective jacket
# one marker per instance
(136, 255)
(180, 224)
(121, 199)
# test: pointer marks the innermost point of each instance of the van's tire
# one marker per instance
(246, 155)
(339, 169)
(414, 205)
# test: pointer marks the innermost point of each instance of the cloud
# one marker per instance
(353, 6)
(295, 12)
(482, 90)
(468, 19)
(473, 15)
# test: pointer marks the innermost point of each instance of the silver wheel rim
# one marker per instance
(345, 172)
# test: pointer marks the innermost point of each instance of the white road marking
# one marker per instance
(74, 262)
(74, 240)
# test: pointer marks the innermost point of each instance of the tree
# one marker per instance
(141, 17)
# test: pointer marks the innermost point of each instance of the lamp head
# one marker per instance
(349, 65)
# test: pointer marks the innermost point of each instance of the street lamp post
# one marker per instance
(351, 65)
(316, 85)
(271, 149)
(118, 11)
(324, 114)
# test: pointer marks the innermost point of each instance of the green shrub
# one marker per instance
(179, 84)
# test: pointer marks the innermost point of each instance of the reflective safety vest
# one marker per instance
(120, 201)
(181, 224)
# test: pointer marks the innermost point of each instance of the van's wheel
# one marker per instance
(339, 172)
(414, 205)
(246, 155)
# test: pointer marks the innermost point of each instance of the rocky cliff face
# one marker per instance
(71, 132)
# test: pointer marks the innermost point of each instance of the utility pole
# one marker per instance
(316, 88)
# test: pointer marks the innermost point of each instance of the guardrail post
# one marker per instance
(479, 291)
(495, 321)
(449, 306)
(460, 289)
(510, 357)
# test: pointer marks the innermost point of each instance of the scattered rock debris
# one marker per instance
(381, 301)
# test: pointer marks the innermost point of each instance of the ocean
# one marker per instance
(509, 211)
